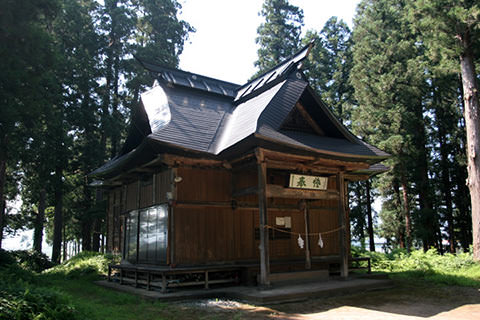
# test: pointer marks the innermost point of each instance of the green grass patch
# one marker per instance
(68, 292)
(446, 269)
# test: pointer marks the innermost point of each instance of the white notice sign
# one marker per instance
(301, 181)
(280, 221)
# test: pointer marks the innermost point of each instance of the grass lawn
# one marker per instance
(426, 286)
(408, 299)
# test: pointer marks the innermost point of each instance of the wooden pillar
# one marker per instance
(308, 260)
(171, 218)
(342, 224)
(154, 189)
(120, 225)
(138, 223)
(262, 208)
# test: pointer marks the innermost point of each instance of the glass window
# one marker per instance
(152, 237)
(131, 237)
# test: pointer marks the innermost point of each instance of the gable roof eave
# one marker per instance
(329, 154)
(346, 133)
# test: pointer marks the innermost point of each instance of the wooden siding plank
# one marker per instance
(262, 206)
(276, 191)
(341, 223)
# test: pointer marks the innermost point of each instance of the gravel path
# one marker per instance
(403, 302)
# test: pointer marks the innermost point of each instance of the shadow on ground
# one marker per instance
(413, 300)
(405, 301)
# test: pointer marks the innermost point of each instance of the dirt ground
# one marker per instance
(405, 301)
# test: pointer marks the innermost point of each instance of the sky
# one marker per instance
(223, 46)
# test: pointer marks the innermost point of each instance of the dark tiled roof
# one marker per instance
(195, 119)
(273, 75)
(190, 80)
(318, 143)
(215, 118)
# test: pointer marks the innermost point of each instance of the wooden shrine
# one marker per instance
(215, 176)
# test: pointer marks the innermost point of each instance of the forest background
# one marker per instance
(70, 81)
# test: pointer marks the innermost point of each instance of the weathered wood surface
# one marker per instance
(276, 191)
(263, 218)
(206, 227)
(342, 225)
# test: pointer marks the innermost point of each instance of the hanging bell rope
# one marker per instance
(300, 241)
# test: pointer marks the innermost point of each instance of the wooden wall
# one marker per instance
(208, 234)
(129, 197)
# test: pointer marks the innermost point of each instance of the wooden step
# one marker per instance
(299, 276)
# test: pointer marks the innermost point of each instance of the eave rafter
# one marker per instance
(279, 160)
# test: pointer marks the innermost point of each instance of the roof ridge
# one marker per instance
(280, 70)
(148, 65)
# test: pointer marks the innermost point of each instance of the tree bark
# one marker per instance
(58, 215)
(472, 123)
(430, 218)
(39, 222)
(3, 178)
(96, 235)
(447, 187)
(369, 217)
(3, 170)
(406, 211)
(400, 234)
(65, 242)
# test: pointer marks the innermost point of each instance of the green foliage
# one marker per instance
(449, 269)
(32, 260)
(84, 263)
(37, 304)
(21, 297)
(279, 36)
(329, 64)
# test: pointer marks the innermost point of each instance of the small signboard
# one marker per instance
(301, 181)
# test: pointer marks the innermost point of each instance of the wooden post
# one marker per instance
(262, 208)
(164, 283)
(154, 188)
(171, 217)
(308, 260)
(341, 223)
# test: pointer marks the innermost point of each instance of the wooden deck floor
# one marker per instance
(273, 294)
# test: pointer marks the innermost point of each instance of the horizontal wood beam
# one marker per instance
(277, 164)
(345, 165)
(356, 177)
(179, 161)
(309, 119)
(241, 205)
(245, 192)
(312, 162)
(276, 191)
(276, 155)
(195, 204)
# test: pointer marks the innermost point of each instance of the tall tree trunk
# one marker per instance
(65, 242)
(87, 235)
(430, 219)
(447, 187)
(87, 221)
(96, 235)
(406, 212)
(3, 180)
(472, 122)
(115, 113)
(369, 217)
(58, 215)
(400, 234)
(3, 170)
(39, 222)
